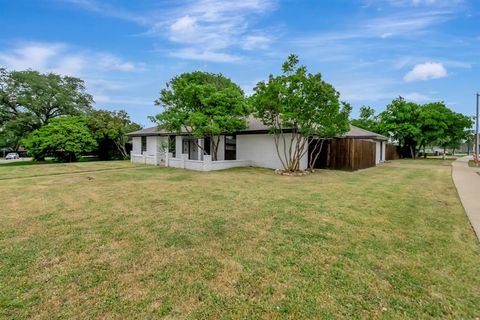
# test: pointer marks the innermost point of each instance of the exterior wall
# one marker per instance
(227, 164)
(379, 151)
(384, 147)
(152, 145)
(154, 155)
(260, 150)
(206, 164)
(136, 145)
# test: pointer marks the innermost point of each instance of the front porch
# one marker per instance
(190, 153)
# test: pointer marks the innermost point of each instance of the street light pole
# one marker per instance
(476, 128)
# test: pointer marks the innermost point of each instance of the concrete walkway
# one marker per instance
(467, 182)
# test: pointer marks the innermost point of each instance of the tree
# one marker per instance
(299, 108)
(203, 105)
(66, 138)
(29, 100)
(470, 140)
(110, 129)
(456, 131)
(367, 119)
(433, 120)
(401, 121)
(416, 126)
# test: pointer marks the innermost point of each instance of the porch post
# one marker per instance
(184, 158)
(207, 162)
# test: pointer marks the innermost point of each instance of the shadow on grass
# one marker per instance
(47, 161)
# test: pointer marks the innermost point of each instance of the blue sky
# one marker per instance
(370, 50)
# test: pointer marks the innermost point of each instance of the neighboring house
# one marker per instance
(253, 146)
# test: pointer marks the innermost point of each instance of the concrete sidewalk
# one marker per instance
(467, 182)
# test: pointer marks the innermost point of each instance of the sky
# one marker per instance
(372, 51)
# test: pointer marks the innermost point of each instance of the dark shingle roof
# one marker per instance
(256, 126)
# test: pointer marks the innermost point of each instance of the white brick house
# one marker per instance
(253, 146)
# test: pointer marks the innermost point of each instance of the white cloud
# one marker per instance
(256, 42)
(426, 71)
(416, 97)
(42, 57)
(109, 10)
(193, 54)
(93, 67)
(415, 3)
(63, 59)
(214, 26)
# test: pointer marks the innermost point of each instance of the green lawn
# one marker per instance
(143, 242)
(428, 161)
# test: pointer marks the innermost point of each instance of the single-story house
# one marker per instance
(253, 146)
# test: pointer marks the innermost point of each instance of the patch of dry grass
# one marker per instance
(147, 242)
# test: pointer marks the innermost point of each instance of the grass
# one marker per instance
(146, 242)
(471, 163)
(427, 161)
(25, 162)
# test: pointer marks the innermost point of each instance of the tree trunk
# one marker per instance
(315, 153)
(444, 152)
(215, 147)
(121, 149)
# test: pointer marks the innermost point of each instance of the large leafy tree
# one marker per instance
(456, 131)
(367, 119)
(298, 106)
(401, 121)
(434, 121)
(66, 138)
(29, 100)
(110, 129)
(203, 105)
(416, 126)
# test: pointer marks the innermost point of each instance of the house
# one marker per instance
(253, 146)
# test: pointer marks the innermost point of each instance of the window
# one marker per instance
(144, 144)
(230, 147)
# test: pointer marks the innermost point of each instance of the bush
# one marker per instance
(65, 138)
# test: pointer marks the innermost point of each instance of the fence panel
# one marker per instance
(392, 152)
(346, 154)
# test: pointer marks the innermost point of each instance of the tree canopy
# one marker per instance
(367, 119)
(29, 100)
(416, 126)
(65, 138)
(204, 105)
(303, 105)
(110, 129)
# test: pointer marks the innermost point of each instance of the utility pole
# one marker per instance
(476, 127)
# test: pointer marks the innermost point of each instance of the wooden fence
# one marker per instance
(392, 152)
(346, 154)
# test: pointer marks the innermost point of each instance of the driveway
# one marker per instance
(467, 181)
(15, 160)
